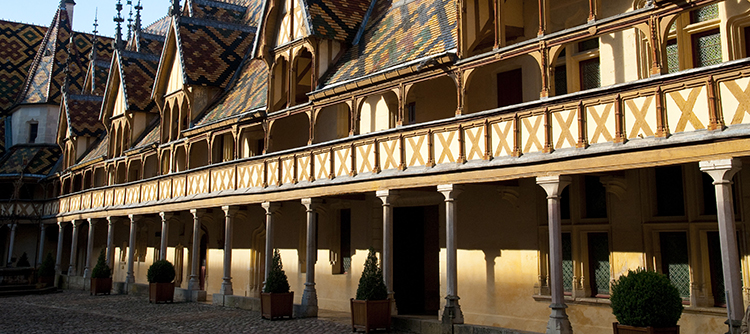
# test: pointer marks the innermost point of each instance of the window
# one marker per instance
(599, 273)
(707, 48)
(669, 191)
(341, 253)
(674, 261)
(694, 40)
(567, 263)
(717, 275)
(589, 72)
(561, 80)
(673, 56)
(33, 131)
(509, 88)
(596, 198)
(411, 113)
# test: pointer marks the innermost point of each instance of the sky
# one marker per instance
(41, 13)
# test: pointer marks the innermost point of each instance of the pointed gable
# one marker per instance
(335, 19)
(82, 115)
(129, 85)
(247, 94)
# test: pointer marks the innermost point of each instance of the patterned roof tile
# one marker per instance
(335, 19)
(246, 94)
(217, 11)
(138, 72)
(99, 150)
(150, 138)
(30, 159)
(18, 45)
(83, 115)
(159, 27)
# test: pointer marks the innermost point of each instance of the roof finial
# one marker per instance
(175, 9)
(138, 9)
(130, 20)
(95, 38)
(118, 29)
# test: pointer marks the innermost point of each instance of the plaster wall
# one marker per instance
(47, 116)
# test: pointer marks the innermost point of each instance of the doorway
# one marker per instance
(416, 251)
(202, 261)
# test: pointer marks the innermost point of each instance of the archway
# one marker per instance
(378, 112)
(198, 154)
(431, 100)
(290, 132)
(331, 123)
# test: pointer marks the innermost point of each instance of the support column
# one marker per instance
(194, 283)
(271, 209)
(165, 217)
(12, 242)
(558, 320)
(452, 312)
(42, 236)
(722, 172)
(110, 240)
(388, 197)
(309, 307)
(89, 248)
(226, 285)
(74, 249)
(58, 257)
(130, 278)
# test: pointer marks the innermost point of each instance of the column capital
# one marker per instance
(230, 210)
(553, 184)
(197, 212)
(61, 225)
(92, 221)
(387, 196)
(76, 223)
(166, 215)
(312, 204)
(110, 220)
(271, 207)
(721, 170)
(450, 191)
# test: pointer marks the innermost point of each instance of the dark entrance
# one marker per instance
(202, 261)
(416, 272)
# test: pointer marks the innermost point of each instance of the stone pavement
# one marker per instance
(77, 312)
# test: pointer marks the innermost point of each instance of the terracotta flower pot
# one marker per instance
(624, 329)
(160, 292)
(101, 286)
(277, 305)
(371, 314)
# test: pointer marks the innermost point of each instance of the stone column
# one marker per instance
(42, 236)
(12, 242)
(558, 319)
(194, 283)
(388, 197)
(130, 278)
(74, 249)
(58, 257)
(226, 285)
(89, 248)
(110, 240)
(309, 307)
(165, 217)
(271, 209)
(722, 172)
(452, 311)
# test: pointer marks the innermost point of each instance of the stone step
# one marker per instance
(432, 325)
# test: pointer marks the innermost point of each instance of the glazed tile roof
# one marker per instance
(212, 51)
(159, 27)
(98, 71)
(38, 159)
(217, 11)
(151, 137)
(18, 45)
(151, 44)
(82, 113)
(249, 92)
(336, 19)
(397, 34)
(2, 136)
(138, 71)
(98, 150)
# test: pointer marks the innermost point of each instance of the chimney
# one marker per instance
(69, 4)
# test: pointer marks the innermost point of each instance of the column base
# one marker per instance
(86, 273)
(394, 309)
(452, 311)
(309, 306)
(226, 287)
(734, 326)
(558, 320)
(193, 283)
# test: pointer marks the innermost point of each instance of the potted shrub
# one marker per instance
(101, 277)
(645, 302)
(160, 278)
(23, 262)
(46, 271)
(276, 301)
(372, 308)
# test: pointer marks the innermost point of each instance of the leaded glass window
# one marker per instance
(707, 48)
(567, 262)
(590, 77)
(599, 263)
(673, 56)
(589, 44)
(674, 261)
(706, 13)
(561, 80)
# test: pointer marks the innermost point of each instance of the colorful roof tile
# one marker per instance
(212, 51)
(151, 137)
(82, 113)
(159, 27)
(151, 44)
(138, 71)
(335, 19)
(398, 34)
(96, 77)
(18, 45)
(37, 159)
(246, 94)
(98, 150)
(217, 10)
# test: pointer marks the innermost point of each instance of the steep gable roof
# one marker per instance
(248, 93)
(134, 74)
(82, 115)
(33, 159)
(336, 19)
(18, 45)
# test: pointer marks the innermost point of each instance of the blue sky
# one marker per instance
(40, 12)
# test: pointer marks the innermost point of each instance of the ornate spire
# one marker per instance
(118, 29)
(130, 20)
(94, 42)
(175, 8)
(137, 27)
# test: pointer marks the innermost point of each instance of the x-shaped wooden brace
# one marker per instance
(416, 147)
(640, 123)
(445, 143)
(686, 107)
(343, 156)
(321, 160)
(256, 175)
(564, 125)
(475, 147)
(273, 174)
(533, 135)
(742, 98)
(601, 124)
(303, 166)
(364, 158)
(390, 159)
(503, 144)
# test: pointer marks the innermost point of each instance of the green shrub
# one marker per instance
(101, 270)
(645, 298)
(47, 268)
(23, 262)
(161, 271)
(371, 285)
(276, 281)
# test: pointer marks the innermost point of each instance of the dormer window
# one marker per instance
(33, 131)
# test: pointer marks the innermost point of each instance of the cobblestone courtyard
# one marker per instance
(77, 312)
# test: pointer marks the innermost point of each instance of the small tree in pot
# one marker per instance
(372, 308)
(276, 301)
(645, 302)
(46, 271)
(101, 277)
(160, 277)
